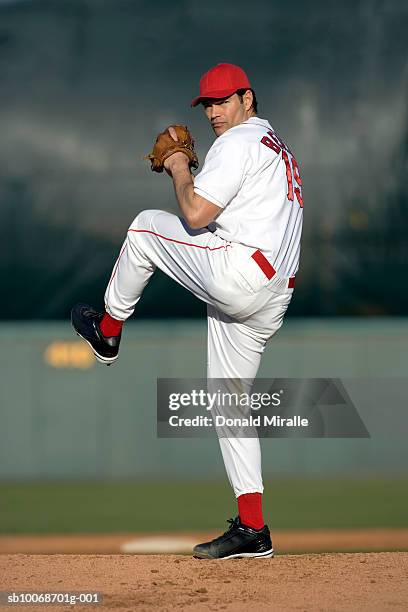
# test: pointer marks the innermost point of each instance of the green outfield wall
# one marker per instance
(62, 416)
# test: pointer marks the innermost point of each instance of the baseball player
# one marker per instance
(236, 247)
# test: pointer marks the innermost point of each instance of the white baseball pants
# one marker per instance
(244, 308)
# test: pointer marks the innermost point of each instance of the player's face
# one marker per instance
(226, 113)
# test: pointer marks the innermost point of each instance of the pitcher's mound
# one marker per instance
(342, 581)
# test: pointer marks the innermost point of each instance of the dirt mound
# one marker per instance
(284, 541)
(364, 582)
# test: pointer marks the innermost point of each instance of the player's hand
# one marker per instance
(176, 160)
(176, 143)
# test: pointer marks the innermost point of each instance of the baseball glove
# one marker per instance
(165, 146)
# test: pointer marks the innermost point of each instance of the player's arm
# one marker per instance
(196, 210)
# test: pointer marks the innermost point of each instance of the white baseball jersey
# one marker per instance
(252, 175)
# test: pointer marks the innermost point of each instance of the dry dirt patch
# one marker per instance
(342, 581)
(284, 541)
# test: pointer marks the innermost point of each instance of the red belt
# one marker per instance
(269, 270)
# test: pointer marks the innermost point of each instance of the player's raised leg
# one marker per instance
(159, 239)
(154, 239)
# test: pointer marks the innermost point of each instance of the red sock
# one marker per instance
(250, 510)
(110, 326)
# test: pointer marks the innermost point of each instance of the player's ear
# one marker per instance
(248, 99)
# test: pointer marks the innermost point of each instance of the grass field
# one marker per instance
(90, 507)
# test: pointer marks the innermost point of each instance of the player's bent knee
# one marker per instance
(144, 219)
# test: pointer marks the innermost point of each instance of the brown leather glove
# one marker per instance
(165, 146)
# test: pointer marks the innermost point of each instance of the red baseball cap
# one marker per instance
(221, 81)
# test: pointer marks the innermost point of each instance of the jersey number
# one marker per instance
(292, 170)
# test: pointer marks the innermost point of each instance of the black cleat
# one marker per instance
(237, 542)
(85, 321)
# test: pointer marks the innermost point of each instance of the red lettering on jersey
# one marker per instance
(271, 144)
(299, 197)
(279, 142)
(296, 175)
(288, 175)
(275, 139)
(272, 141)
(292, 172)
